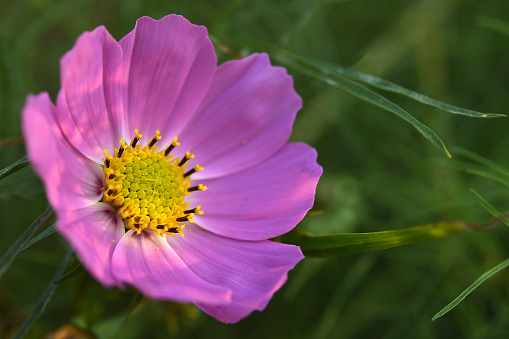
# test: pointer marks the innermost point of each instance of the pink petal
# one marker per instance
(253, 270)
(261, 202)
(147, 262)
(93, 232)
(72, 181)
(246, 116)
(90, 110)
(230, 314)
(169, 64)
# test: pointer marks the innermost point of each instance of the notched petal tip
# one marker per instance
(266, 201)
(169, 64)
(252, 270)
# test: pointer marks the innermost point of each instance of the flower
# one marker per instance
(137, 206)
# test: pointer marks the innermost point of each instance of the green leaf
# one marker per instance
(488, 207)
(23, 162)
(481, 161)
(394, 88)
(368, 95)
(71, 273)
(45, 297)
(19, 245)
(489, 176)
(43, 235)
(350, 243)
(471, 288)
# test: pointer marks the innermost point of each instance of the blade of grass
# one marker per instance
(489, 176)
(394, 88)
(372, 97)
(350, 243)
(488, 207)
(344, 72)
(72, 272)
(45, 297)
(18, 246)
(481, 160)
(43, 235)
(471, 288)
(14, 167)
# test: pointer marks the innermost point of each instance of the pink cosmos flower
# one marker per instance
(182, 219)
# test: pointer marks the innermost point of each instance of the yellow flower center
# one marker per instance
(147, 188)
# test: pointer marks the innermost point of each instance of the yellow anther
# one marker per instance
(121, 150)
(136, 138)
(154, 139)
(193, 170)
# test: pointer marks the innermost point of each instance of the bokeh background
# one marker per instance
(379, 172)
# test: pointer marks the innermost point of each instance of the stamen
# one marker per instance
(122, 148)
(187, 157)
(195, 210)
(154, 139)
(147, 189)
(200, 187)
(136, 138)
(108, 159)
(193, 170)
(172, 146)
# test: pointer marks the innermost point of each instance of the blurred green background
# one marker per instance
(379, 172)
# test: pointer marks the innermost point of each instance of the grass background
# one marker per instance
(379, 173)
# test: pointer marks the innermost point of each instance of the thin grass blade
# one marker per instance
(45, 297)
(72, 272)
(21, 163)
(489, 208)
(372, 97)
(337, 71)
(481, 160)
(394, 88)
(43, 235)
(350, 243)
(489, 176)
(471, 288)
(19, 245)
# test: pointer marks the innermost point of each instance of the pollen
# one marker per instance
(148, 188)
